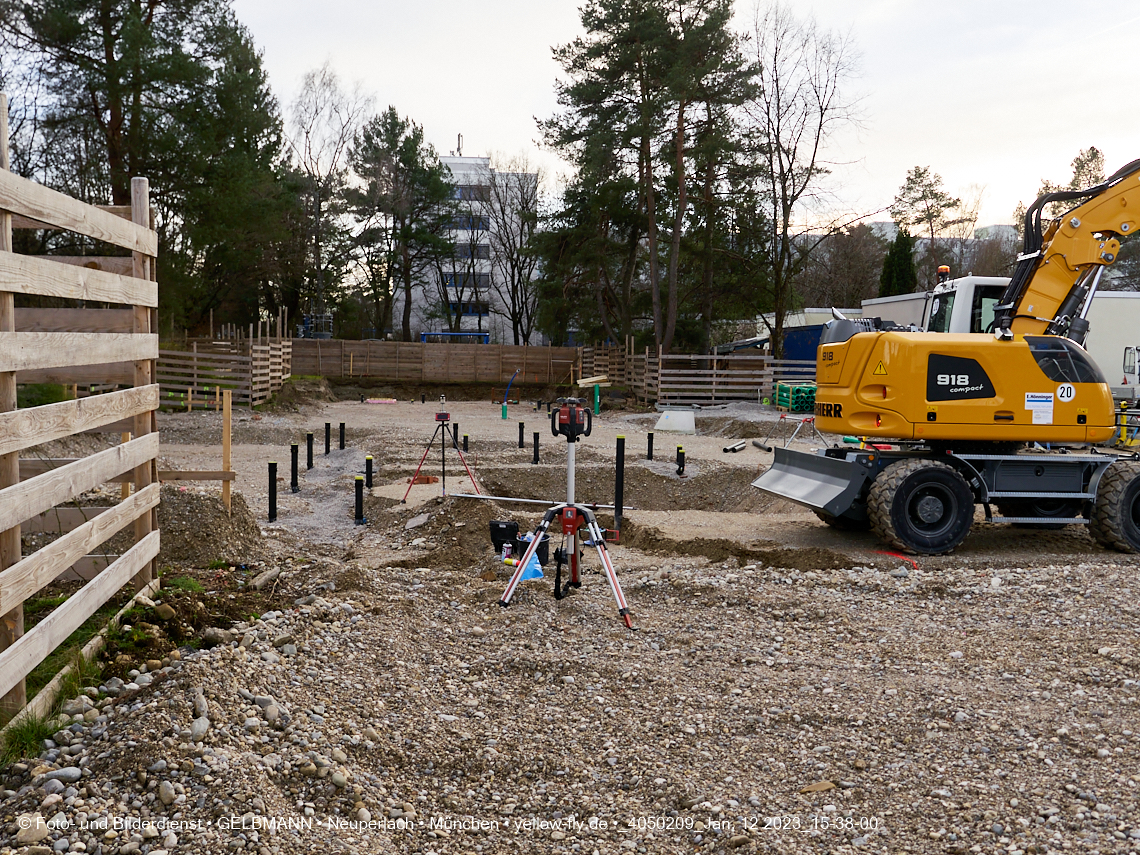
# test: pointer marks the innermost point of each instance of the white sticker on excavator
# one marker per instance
(1041, 405)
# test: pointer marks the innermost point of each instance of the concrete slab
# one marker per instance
(677, 421)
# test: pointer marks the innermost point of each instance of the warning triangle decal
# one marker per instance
(880, 370)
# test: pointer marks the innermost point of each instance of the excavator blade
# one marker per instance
(813, 480)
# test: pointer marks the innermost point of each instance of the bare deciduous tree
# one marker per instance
(324, 121)
(513, 209)
(801, 70)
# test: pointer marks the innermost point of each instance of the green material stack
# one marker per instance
(796, 397)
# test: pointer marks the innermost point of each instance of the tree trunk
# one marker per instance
(678, 224)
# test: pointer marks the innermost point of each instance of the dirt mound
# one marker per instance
(714, 487)
(766, 552)
(731, 428)
(298, 392)
(197, 531)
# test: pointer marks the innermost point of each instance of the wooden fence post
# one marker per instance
(227, 427)
(144, 374)
(11, 624)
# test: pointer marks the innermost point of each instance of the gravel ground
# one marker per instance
(789, 689)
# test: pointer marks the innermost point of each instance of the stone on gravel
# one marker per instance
(198, 728)
(165, 611)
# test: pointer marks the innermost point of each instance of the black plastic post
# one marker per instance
(328, 437)
(548, 407)
(619, 483)
(464, 443)
(649, 449)
(368, 471)
(359, 500)
(342, 436)
(680, 460)
(293, 485)
(272, 491)
(423, 398)
(455, 435)
(362, 399)
(522, 427)
(535, 448)
(309, 453)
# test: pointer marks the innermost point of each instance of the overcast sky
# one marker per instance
(995, 94)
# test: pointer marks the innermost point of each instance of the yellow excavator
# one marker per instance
(1006, 419)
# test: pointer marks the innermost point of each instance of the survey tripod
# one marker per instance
(572, 420)
(441, 427)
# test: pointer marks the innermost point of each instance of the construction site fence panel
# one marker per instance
(69, 345)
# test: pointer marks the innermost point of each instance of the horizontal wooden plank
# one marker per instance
(32, 647)
(39, 274)
(24, 578)
(195, 475)
(120, 265)
(29, 351)
(63, 519)
(33, 467)
(111, 373)
(22, 429)
(28, 199)
(29, 498)
(75, 320)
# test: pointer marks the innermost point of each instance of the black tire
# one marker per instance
(842, 523)
(1043, 508)
(1116, 513)
(921, 506)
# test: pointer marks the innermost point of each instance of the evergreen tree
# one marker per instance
(405, 210)
(899, 276)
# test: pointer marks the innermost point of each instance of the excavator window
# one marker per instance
(940, 312)
(982, 312)
(1063, 361)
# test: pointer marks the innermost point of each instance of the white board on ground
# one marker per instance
(677, 421)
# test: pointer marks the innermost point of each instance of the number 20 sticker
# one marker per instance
(1066, 392)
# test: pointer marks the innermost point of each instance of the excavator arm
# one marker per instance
(1059, 270)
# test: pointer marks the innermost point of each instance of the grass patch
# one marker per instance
(83, 673)
(38, 394)
(25, 738)
(68, 652)
(188, 583)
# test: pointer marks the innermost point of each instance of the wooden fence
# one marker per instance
(63, 346)
(420, 362)
(252, 369)
(694, 378)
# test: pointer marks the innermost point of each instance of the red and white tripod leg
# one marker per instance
(516, 577)
(611, 573)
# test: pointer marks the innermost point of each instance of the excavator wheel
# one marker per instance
(843, 523)
(1116, 512)
(921, 506)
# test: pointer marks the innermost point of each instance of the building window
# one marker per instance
(472, 250)
(472, 192)
(463, 279)
(470, 223)
(473, 308)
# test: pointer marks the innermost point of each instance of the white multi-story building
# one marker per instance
(488, 280)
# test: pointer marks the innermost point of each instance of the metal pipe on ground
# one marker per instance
(619, 485)
(273, 491)
(735, 447)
